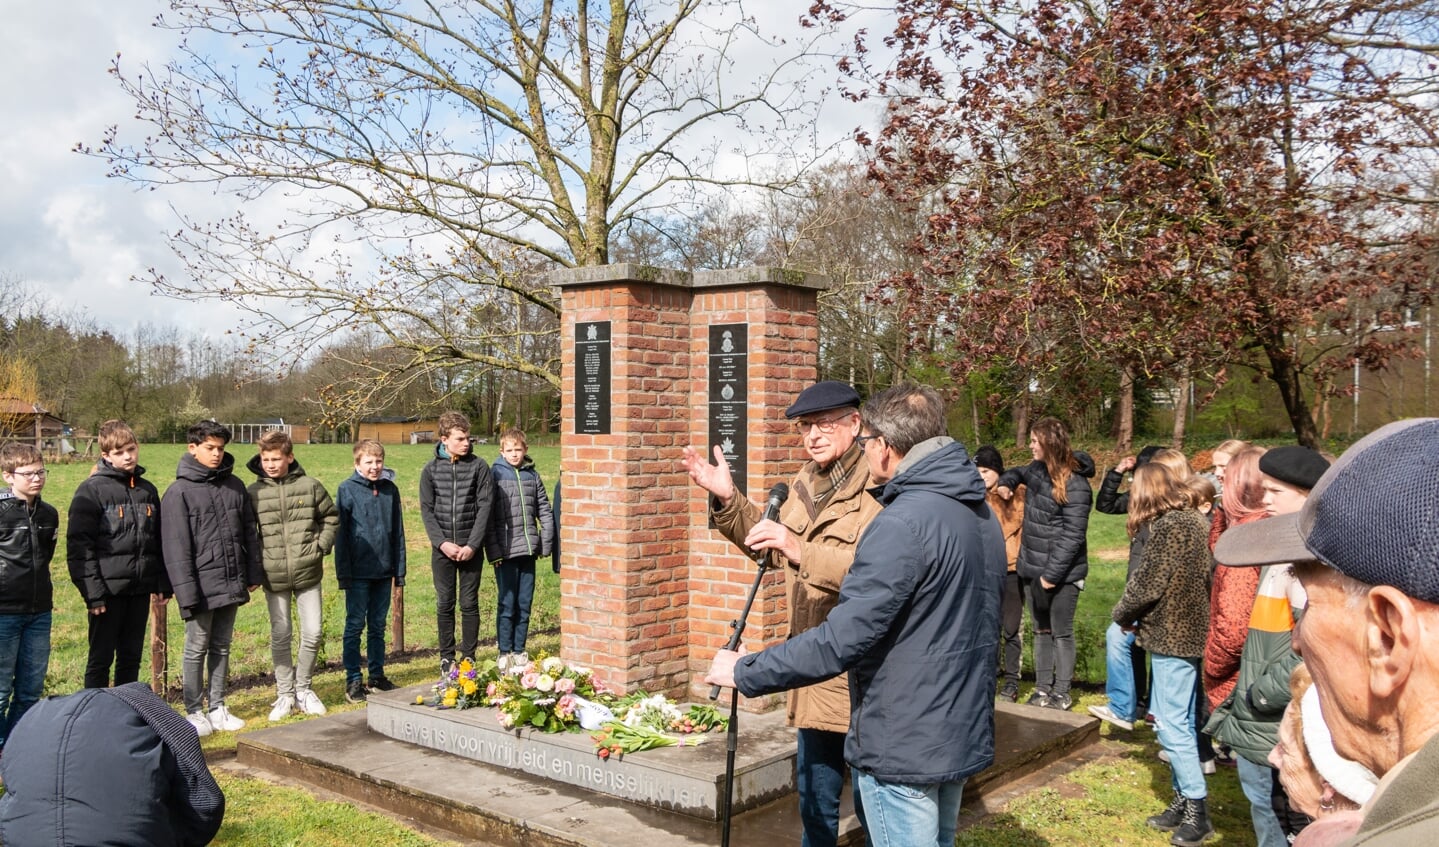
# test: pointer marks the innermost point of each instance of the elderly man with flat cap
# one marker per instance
(815, 539)
(1365, 546)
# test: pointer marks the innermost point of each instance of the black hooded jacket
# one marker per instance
(211, 537)
(1053, 546)
(112, 537)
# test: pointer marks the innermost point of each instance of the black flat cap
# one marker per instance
(1301, 467)
(821, 397)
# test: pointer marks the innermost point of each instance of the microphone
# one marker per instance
(777, 496)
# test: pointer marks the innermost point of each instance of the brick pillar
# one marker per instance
(647, 588)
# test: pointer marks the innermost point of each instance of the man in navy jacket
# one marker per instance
(916, 628)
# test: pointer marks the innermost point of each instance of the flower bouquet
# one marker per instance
(647, 722)
(543, 694)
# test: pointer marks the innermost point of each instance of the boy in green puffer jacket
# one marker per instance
(298, 522)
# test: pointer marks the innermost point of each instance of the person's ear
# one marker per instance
(1392, 635)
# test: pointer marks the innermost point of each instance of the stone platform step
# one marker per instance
(490, 805)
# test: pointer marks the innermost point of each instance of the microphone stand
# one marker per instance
(732, 730)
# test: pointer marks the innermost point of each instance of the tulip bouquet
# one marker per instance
(649, 721)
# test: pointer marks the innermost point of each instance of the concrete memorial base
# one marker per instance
(688, 780)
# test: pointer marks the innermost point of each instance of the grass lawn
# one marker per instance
(1102, 803)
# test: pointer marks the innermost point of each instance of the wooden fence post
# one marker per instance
(159, 644)
(397, 617)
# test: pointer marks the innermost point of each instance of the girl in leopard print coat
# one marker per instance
(1168, 594)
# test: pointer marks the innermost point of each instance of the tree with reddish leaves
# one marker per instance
(1180, 188)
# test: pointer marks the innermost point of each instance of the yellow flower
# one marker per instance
(466, 666)
(419, 699)
(470, 686)
(451, 695)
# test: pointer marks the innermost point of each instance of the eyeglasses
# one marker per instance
(31, 475)
(863, 440)
(825, 426)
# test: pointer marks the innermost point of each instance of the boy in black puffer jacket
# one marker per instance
(455, 498)
(521, 526)
(112, 544)
(212, 556)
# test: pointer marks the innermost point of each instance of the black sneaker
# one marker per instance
(382, 683)
(445, 666)
(1061, 702)
(355, 691)
(1038, 698)
(1009, 692)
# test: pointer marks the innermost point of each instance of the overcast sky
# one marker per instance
(73, 235)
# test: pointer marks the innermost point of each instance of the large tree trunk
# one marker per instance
(1181, 410)
(1124, 425)
(1286, 377)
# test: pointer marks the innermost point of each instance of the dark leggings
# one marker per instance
(1011, 611)
(1053, 610)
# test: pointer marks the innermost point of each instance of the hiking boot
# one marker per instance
(1195, 828)
(355, 691)
(1038, 698)
(1009, 692)
(200, 723)
(223, 721)
(310, 702)
(381, 683)
(1169, 819)
(1061, 702)
(284, 705)
(1107, 715)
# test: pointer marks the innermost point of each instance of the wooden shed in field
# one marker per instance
(21, 420)
(396, 430)
(250, 431)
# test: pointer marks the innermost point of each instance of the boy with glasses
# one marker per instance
(29, 528)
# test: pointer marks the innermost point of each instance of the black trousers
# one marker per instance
(447, 572)
(117, 637)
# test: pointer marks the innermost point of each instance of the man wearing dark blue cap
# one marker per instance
(814, 538)
(1365, 546)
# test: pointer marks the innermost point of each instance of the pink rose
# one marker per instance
(491, 689)
(566, 705)
(529, 679)
(564, 685)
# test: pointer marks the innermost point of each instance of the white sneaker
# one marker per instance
(223, 721)
(310, 703)
(519, 661)
(200, 723)
(503, 662)
(1104, 713)
(283, 707)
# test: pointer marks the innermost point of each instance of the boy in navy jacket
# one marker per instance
(369, 562)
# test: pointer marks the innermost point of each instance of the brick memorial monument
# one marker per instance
(654, 360)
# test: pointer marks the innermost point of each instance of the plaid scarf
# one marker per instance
(830, 479)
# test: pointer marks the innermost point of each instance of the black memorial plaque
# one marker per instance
(729, 396)
(592, 378)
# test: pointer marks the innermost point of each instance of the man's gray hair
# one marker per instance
(905, 415)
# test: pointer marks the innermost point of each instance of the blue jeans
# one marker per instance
(1172, 703)
(1119, 671)
(819, 777)
(515, 582)
(899, 814)
(1257, 781)
(24, 658)
(367, 605)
